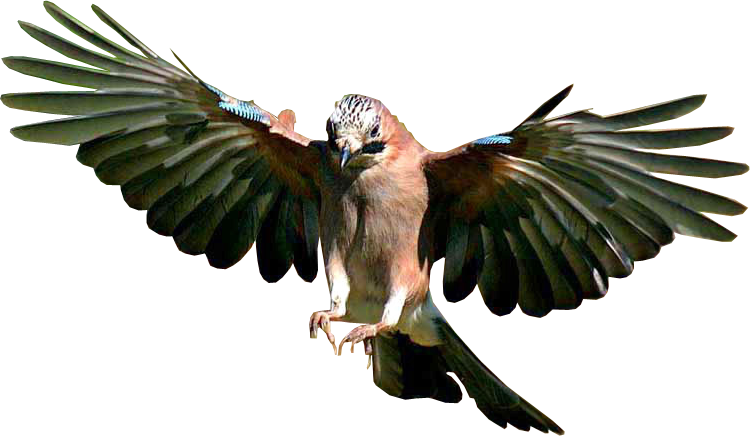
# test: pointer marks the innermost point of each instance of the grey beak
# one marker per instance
(345, 156)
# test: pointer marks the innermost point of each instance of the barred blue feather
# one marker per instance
(243, 109)
(494, 140)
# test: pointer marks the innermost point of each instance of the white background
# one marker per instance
(183, 401)
(466, 41)
(628, 401)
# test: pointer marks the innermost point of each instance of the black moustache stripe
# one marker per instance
(373, 148)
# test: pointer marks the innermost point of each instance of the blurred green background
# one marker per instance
(82, 281)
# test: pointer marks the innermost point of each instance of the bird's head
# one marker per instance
(358, 131)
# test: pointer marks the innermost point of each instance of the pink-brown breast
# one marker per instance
(371, 225)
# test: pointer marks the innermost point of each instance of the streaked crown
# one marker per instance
(356, 115)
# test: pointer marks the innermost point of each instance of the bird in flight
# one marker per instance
(539, 217)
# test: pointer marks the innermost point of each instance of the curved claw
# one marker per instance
(363, 333)
(321, 320)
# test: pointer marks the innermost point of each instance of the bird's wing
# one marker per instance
(541, 216)
(214, 172)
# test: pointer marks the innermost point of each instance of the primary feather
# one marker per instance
(573, 199)
(207, 166)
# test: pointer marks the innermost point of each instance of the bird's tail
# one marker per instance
(496, 400)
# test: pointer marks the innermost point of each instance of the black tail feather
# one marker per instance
(496, 400)
(407, 370)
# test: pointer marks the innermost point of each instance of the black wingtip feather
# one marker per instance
(547, 107)
(51, 8)
(184, 66)
(699, 99)
(656, 113)
(7, 99)
(741, 169)
(31, 29)
(460, 276)
(306, 247)
(274, 243)
(711, 134)
(124, 33)
(306, 266)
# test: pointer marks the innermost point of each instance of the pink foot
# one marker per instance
(364, 333)
(322, 320)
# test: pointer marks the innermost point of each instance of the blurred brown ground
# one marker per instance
(92, 286)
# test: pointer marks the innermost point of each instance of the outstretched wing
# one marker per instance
(541, 216)
(214, 172)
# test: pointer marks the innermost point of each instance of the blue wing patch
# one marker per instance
(244, 110)
(241, 108)
(494, 140)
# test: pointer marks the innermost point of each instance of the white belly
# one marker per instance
(419, 323)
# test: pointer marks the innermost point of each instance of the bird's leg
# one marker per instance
(365, 333)
(339, 288)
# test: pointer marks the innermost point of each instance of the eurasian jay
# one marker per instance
(540, 216)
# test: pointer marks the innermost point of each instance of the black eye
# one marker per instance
(375, 131)
(373, 148)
